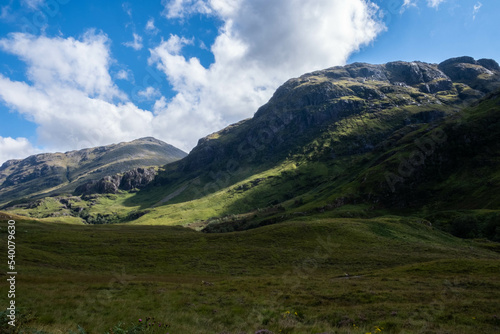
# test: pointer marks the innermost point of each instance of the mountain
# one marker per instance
(343, 136)
(350, 109)
(400, 93)
(336, 113)
(361, 140)
(49, 173)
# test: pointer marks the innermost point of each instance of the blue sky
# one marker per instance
(77, 74)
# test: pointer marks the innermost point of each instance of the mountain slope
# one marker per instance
(322, 130)
(452, 163)
(350, 146)
(62, 172)
(302, 107)
(360, 140)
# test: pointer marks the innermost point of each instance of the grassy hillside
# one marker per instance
(309, 275)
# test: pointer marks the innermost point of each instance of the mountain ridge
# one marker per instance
(143, 139)
(337, 140)
(306, 105)
(322, 140)
(47, 173)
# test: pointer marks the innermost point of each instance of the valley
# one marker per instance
(360, 199)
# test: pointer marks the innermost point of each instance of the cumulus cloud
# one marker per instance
(70, 94)
(151, 28)
(149, 93)
(15, 148)
(136, 44)
(173, 45)
(260, 45)
(57, 62)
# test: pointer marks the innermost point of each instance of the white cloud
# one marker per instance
(17, 148)
(414, 3)
(434, 3)
(260, 45)
(5, 12)
(182, 8)
(136, 44)
(54, 62)
(203, 46)
(174, 44)
(151, 28)
(123, 75)
(71, 96)
(126, 8)
(149, 93)
(476, 9)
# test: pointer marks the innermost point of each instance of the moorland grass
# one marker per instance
(310, 275)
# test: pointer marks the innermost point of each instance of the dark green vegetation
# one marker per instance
(356, 177)
(332, 275)
(52, 173)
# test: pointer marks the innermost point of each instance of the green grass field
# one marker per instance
(309, 275)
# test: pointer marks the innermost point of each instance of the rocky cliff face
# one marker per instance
(51, 173)
(133, 179)
(305, 106)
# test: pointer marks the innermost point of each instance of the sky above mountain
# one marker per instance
(76, 74)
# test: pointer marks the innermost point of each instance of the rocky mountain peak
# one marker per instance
(304, 105)
(467, 69)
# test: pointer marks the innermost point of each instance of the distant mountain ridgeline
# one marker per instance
(51, 173)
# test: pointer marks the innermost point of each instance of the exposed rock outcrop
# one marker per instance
(133, 179)
(475, 74)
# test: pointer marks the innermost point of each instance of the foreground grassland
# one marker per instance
(309, 275)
